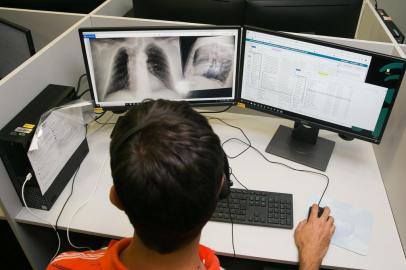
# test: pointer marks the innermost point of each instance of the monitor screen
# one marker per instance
(16, 46)
(334, 87)
(321, 17)
(128, 65)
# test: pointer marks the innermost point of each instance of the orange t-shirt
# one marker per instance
(109, 258)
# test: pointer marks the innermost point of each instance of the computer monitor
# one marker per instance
(16, 46)
(128, 65)
(219, 12)
(318, 85)
(337, 18)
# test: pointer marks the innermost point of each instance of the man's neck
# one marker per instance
(137, 256)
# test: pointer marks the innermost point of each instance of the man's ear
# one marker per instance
(115, 199)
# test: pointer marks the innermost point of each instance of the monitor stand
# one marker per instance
(302, 145)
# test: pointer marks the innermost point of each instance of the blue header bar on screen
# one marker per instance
(89, 35)
(305, 52)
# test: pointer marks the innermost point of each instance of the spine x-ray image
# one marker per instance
(133, 69)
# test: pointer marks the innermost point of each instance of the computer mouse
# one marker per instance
(319, 213)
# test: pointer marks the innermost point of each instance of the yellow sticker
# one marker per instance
(241, 105)
(30, 126)
(98, 110)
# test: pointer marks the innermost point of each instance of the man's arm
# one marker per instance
(312, 238)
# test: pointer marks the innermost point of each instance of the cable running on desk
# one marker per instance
(66, 202)
(78, 85)
(220, 111)
(249, 145)
(100, 116)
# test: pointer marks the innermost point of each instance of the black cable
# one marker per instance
(239, 181)
(224, 110)
(287, 166)
(78, 83)
(100, 116)
(290, 167)
(107, 123)
(84, 92)
(226, 141)
(249, 145)
(232, 225)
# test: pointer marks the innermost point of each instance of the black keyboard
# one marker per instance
(258, 208)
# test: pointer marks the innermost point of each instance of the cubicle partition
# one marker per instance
(60, 61)
(108, 21)
(403, 48)
(44, 26)
(371, 27)
(391, 157)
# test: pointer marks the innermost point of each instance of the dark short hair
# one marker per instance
(167, 173)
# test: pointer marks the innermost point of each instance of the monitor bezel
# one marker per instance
(199, 103)
(24, 30)
(310, 121)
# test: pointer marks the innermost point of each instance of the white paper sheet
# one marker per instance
(54, 142)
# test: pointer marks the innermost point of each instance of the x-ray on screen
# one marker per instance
(129, 66)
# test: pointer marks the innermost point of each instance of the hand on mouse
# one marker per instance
(312, 238)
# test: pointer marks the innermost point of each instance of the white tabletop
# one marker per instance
(354, 179)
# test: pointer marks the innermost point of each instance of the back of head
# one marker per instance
(167, 165)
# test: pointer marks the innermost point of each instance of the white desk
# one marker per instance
(354, 178)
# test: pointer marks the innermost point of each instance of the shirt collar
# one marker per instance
(111, 260)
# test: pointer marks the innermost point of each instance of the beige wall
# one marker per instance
(391, 157)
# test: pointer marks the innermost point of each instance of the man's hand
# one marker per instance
(312, 238)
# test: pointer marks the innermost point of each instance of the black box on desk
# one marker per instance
(15, 141)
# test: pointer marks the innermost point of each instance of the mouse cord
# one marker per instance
(235, 177)
(249, 145)
(287, 166)
(232, 226)
(226, 141)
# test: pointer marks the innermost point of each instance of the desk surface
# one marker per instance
(354, 179)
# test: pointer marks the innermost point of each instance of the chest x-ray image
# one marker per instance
(136, 68)
(209, 63)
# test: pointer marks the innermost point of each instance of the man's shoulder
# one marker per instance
(78, 260)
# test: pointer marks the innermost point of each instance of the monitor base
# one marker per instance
(315, 155)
